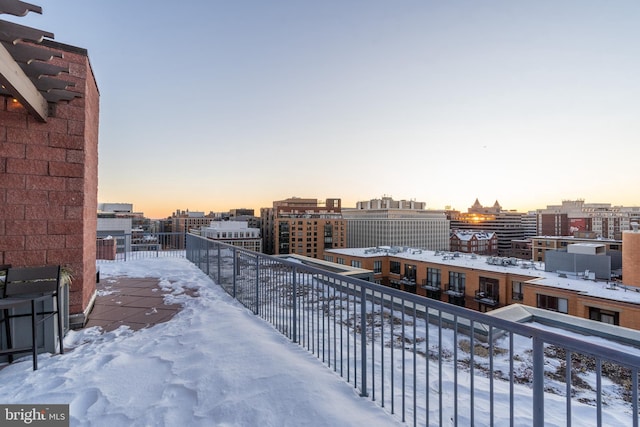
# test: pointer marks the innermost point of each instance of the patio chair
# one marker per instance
(3, 271)
(24, 287)
(3, 277)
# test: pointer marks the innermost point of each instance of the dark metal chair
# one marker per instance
(24, 287)
(3, 277)
(3, 271)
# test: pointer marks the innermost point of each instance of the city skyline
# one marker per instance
(465, 209)
(216, 105)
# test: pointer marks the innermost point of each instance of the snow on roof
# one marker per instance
(466, 235)
(598, 289)
(587, 245)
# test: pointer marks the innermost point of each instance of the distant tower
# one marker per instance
(631, 256)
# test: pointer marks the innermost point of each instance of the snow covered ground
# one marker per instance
(213, 364)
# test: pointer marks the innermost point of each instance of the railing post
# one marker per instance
(206, 248)
(538, 382)
(257, 283)
(363, 341)
(236, 269)
(219, 266)
(294, 301)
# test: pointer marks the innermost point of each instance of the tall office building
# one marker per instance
(386, 222)
(303, 226)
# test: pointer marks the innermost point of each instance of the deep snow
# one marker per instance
(213, 364)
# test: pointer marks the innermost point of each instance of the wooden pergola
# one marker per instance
(26, 72)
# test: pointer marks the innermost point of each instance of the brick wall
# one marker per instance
(49, 181)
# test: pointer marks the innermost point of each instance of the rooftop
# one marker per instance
(600, 289)
(210, 362)
(214, 362)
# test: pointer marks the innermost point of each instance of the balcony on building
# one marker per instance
(486, 298)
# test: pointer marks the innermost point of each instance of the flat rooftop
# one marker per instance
(600, 289)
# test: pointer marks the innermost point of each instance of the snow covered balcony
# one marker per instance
(428, 362)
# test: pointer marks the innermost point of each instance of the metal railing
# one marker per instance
(130, 246)
(429, 362)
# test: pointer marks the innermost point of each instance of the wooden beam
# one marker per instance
(21, 87)
(18, 8)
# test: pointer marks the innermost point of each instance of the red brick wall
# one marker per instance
(49, 181)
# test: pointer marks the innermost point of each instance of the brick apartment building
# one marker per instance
(49, 105)
(485, 283)
(474, 242)
(303, 226)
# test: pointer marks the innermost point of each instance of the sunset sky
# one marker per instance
(218, 104)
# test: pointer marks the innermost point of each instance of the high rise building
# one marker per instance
(303, 226)
(386, 222)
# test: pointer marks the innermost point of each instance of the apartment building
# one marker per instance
(508, 225)
(541, 244)
(115, 219)
(486, 283)
(181, 222)
(573, 216)
(474, 242)
(236, 233)
(522, 248)
(303, 226)
(380, 222)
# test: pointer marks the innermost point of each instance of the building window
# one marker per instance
(434, 278)
(516, 291)
(340, 260)
(488, 291)
(604, 316)
(356, 264)
(394, 267)
(410, 272)
(433, 282)
(377, 266)
(548, 302)
(457, 282)
(328, 236)
(328, 258)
